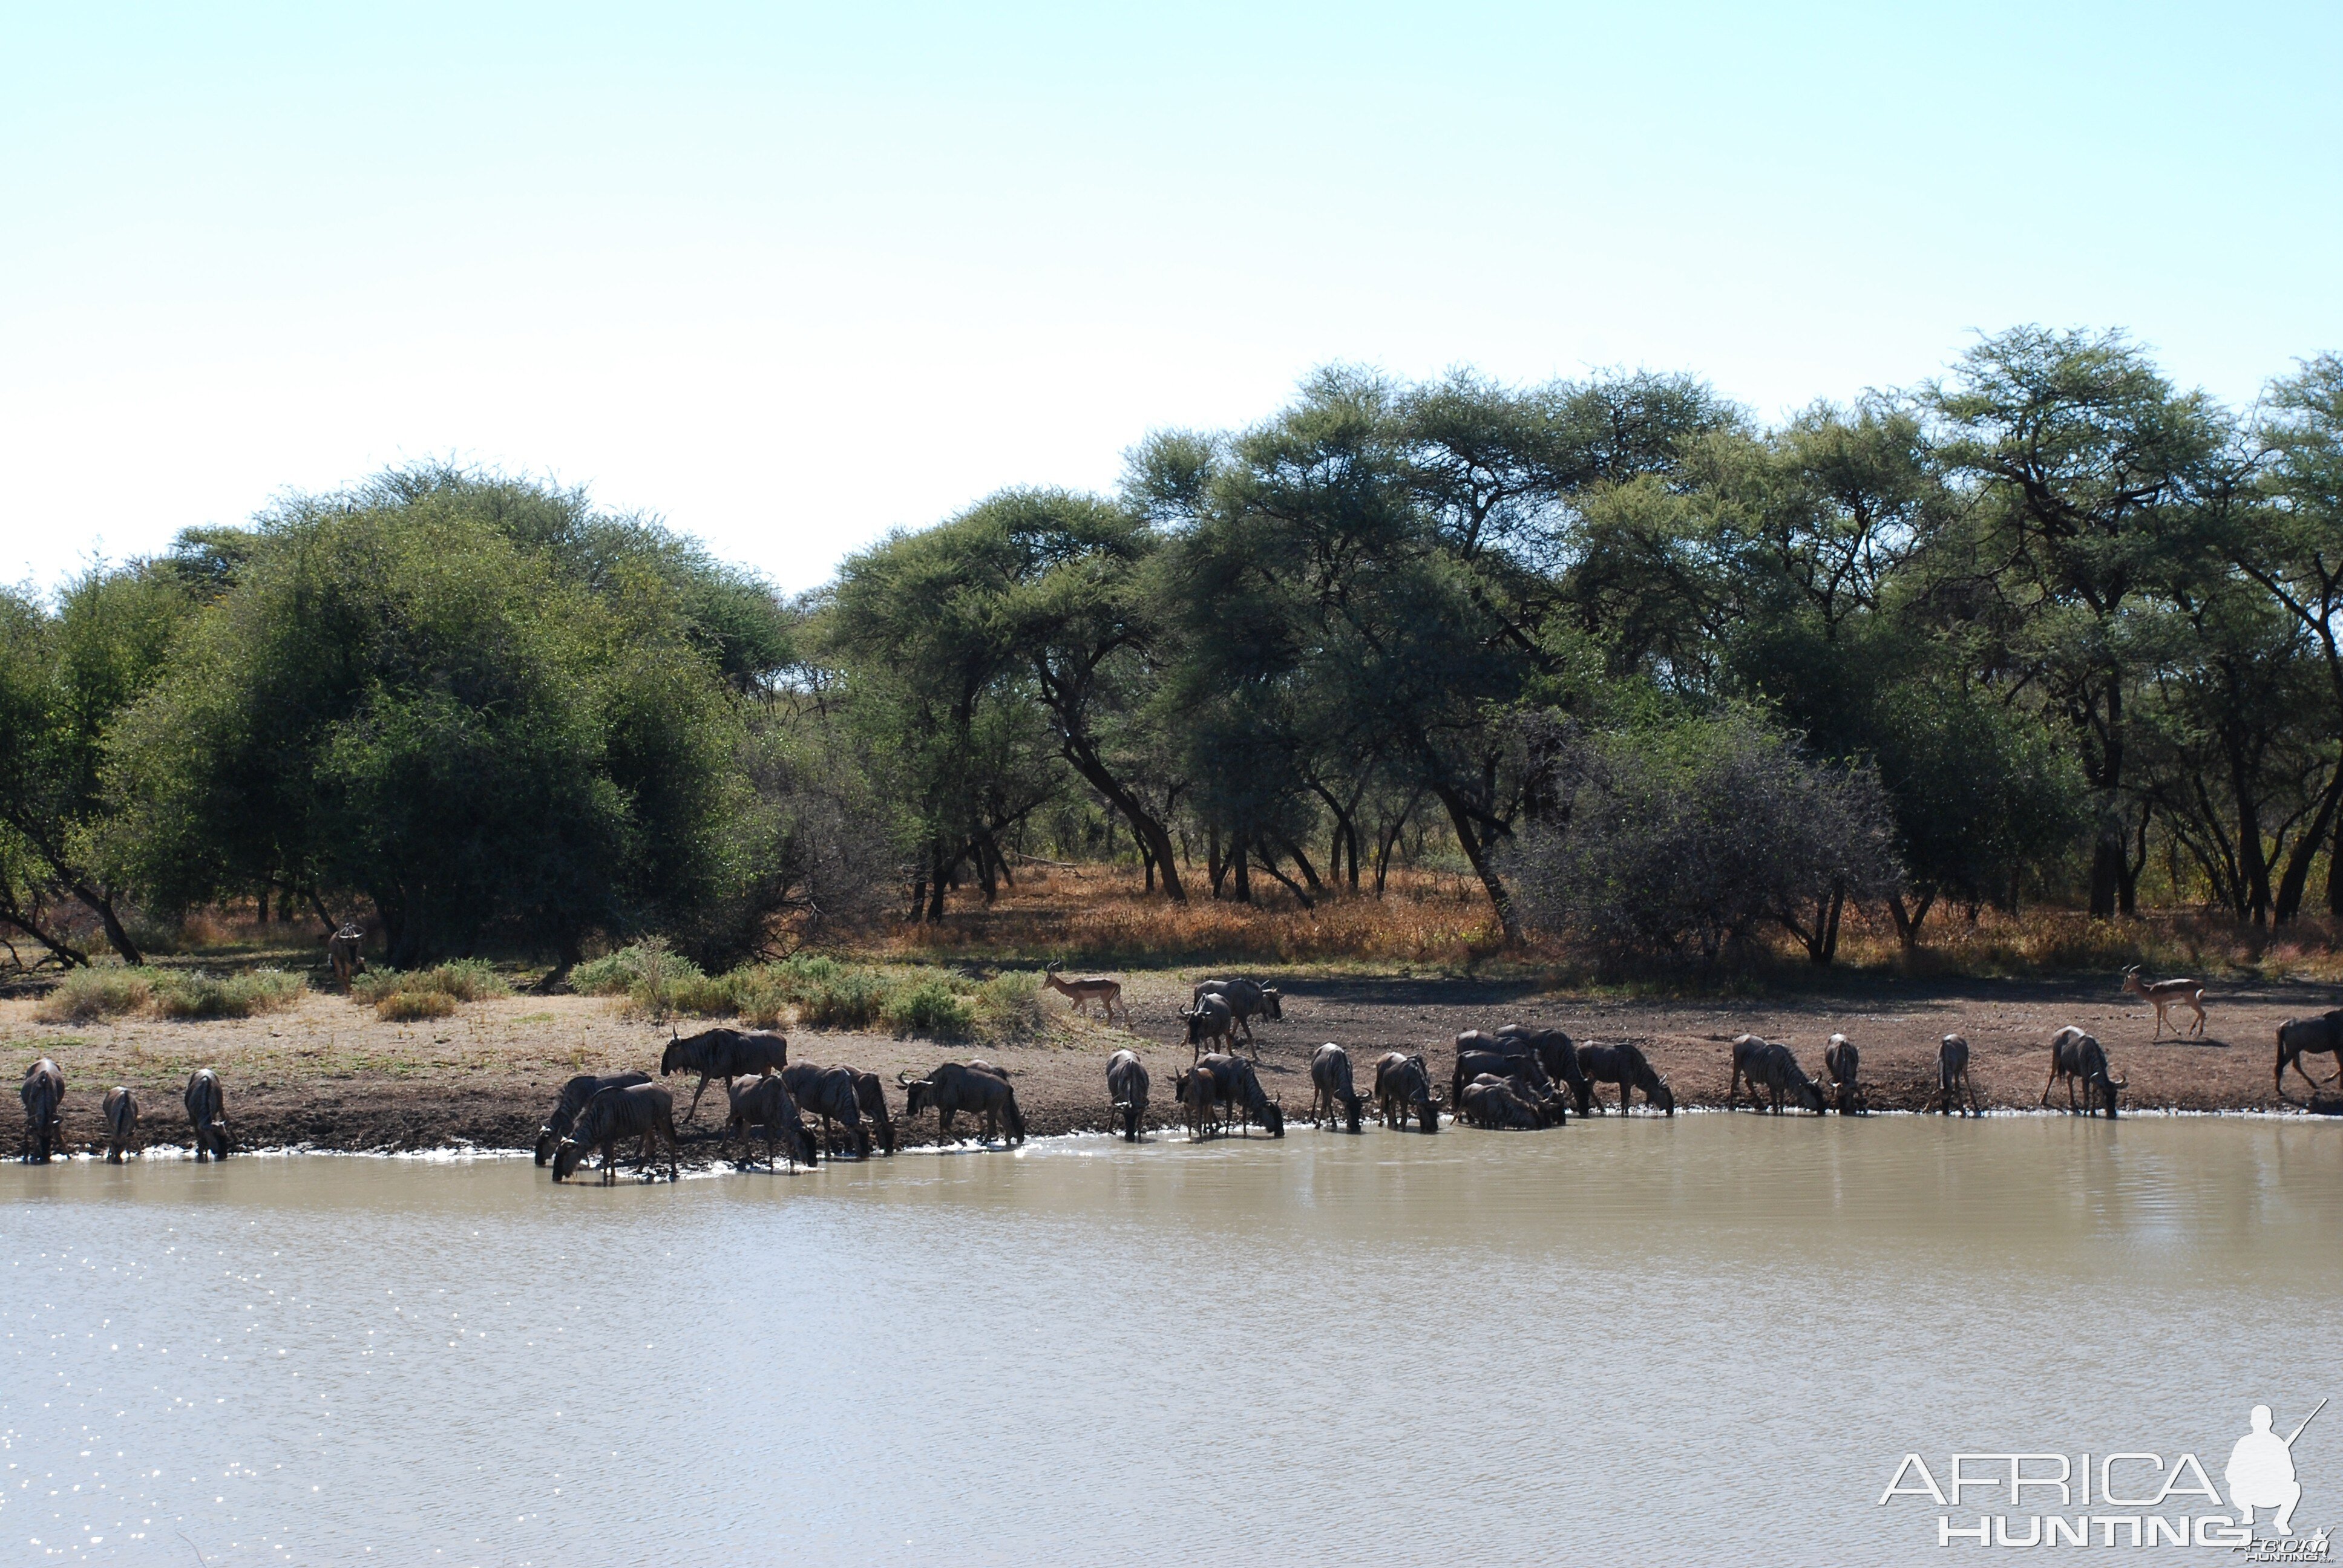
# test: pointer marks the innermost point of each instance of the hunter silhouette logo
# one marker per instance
(2261, 1470)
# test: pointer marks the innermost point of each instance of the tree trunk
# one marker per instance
(1309, 872)
(59, 949)
(1214, 865)
(1143, 825)
(1501, 899)
(1244, 882)
(102, 905)
(2289, 903)
(1907, 920)
(1269, 864)
(937, 873)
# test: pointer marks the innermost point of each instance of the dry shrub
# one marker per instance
(459, 979)
(198, 995)
(88, 994)
(406, 1006)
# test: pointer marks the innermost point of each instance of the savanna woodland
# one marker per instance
(1659, 682)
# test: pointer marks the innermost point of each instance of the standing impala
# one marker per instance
(1107, 993)
(2165, 993)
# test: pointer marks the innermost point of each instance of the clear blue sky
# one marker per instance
(792, 276)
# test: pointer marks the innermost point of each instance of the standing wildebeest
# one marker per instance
(1126, 1087)
(1773, 1068)
(1403, 1087)
(766, 1102)
(643, 1110)
(1199, 1101)
(345, 951)
(2301, 1037)
(206, 1106)
(959, 1086)
(1506, 1056)
(1237, 1086)
(1558, 1054)
(1844, 1063)
(725, 1053)
(1247, 999)
(574, 1096)
(1497, 1104)
(1100, 989)
(1625, 1066)
(1953, 1077)
(2165, 994)
(871, 1096)
(832, 1094)
(120, 1109)
(2077, 1057)
(1329, 1075)
(1211, 1020)
(45, 1097)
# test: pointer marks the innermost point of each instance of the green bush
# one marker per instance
(1008, 1005)
(931, 1007)
(460, 980)
(88, 994)
(198, 995)
(406, 1006)
(849, 999)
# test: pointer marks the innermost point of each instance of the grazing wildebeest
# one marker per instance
(120, 1109)
(2163, 994)
(1953, 1077)
(1558, 1054)
(1625, 1066)
(1199, 1101)
(1330, 1076)
(1498, 1104)
(1126, 1088)
(45, 1096)
(1247, 999)
(574, 1096)
(206, 1105)
(345, 951)
(1210, 1020)
(2077, 1057)
(1099, 988)
(1404, 1088)
(831, 1093)
(1236, 1085)
(766, 1102)
(961, 1085)
(642, 1111)
(1844, 1063)
(1505, 1056)
(1775, 1069)
(2301, 1037)
(724, 1053)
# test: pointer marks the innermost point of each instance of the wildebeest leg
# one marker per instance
(2052, 1079)
(2070, 1093)
(695, 1097)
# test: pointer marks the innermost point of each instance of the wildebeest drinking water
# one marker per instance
(1773, 1068)
(959, 1087)
(831, 1093)
(1199, 1102)
(45, 1097)
(1236, 1084)
(1499, 1105)
(574, 1096)
(1508, 1056)
(1844, 1063)
(640, 1110)
(765, 1104)
(206, 1105)
(723, 1053)
(2078, 1057)
(1557, 1053)
(1330, 1077)
(1403, 1089)
(2301, 1037)
(120, 1111)
(1625, 1066)
(1126, 1090)
(1953, 1083)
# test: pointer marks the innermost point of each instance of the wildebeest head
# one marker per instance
(1663, 1096)
(916, 1092)
(668, 1059)
(1273, 1117)
(1810, 1095)
(1270, 1007)
(565, 1156)
(546, 1142)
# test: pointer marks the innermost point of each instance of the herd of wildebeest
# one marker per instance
(1516, 1077)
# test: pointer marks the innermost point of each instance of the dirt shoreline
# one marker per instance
(328, 1075)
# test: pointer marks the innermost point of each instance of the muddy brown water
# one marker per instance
(1710, 1339)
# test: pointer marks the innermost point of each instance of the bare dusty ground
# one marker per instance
(327, 1074)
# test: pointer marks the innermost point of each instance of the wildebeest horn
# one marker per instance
(903, 1080)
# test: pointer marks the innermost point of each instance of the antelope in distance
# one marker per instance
(2165, 994)
(1080, 993)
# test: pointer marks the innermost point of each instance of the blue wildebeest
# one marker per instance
(206, 1105)
(1953, 1077)
(1506, 1056)
(1330, 1077)
(45, 1097)
(640, 1110)
(2301, 1037)
(723, 1053)
(1211, 1021)
(1247, 999)
(1844, 1063)
(2078, 1057)
(871, 1095)
(964, 1086)
(1772, 1068)
(1625, 1066)
(767, 1103)
(832, 1094)
(1126, 1088)
(1199, 1102)
(574, 1096)
(120, 1111)
(1403, 1089)
(1558, 1054)
(1238, 1087)
(1499, 1105)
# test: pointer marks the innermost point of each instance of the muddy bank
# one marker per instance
(330, 1075)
